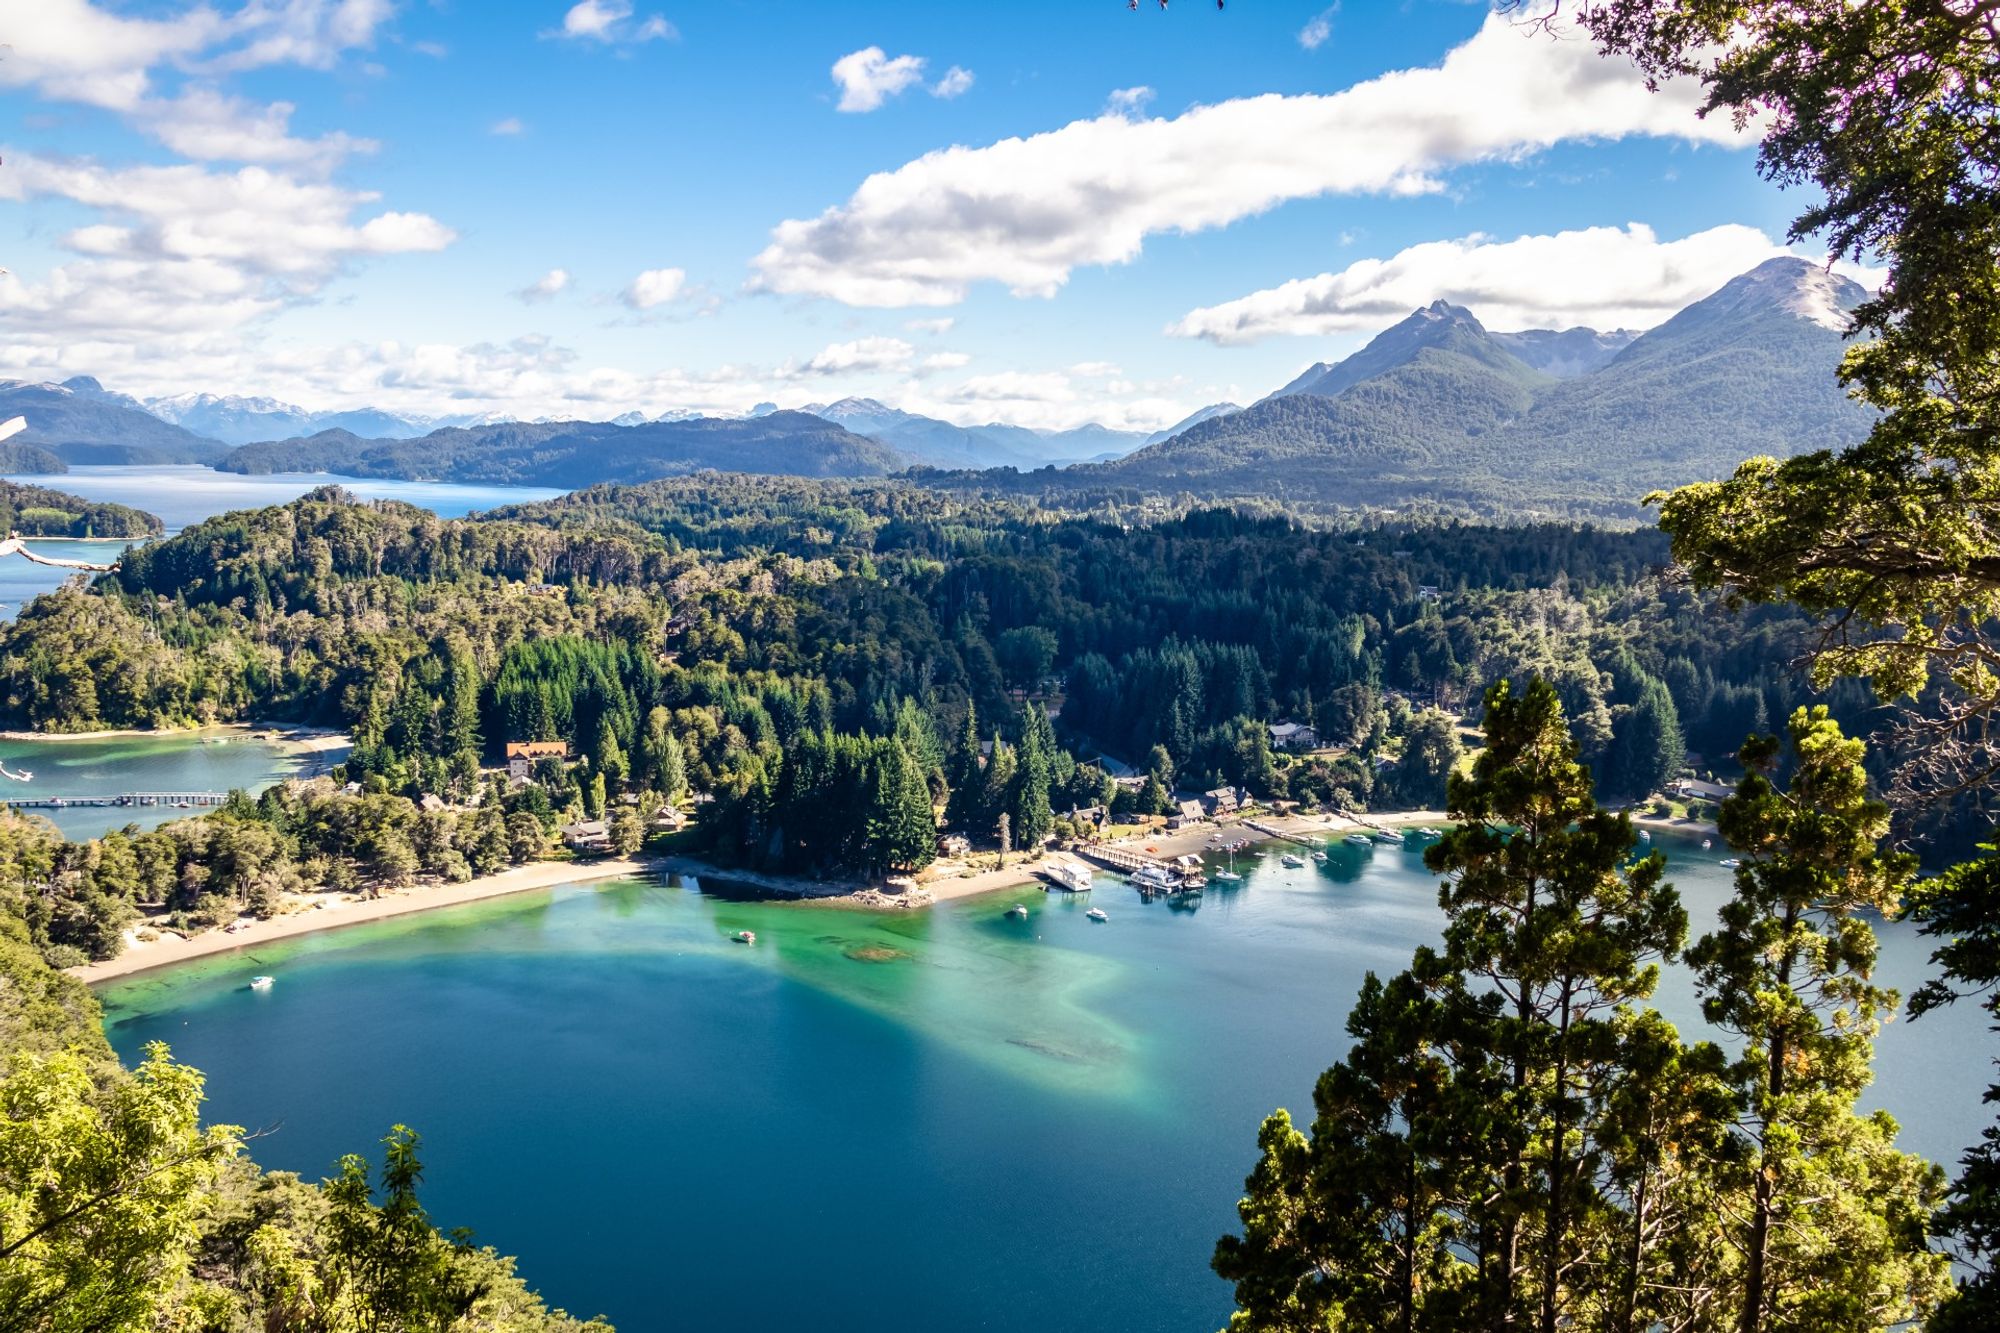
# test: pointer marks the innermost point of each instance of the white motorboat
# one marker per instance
(1732, 864)
(1097, 914)
(261, 983)
(745, 937)
(1292, 861)
(1018, 911)
(1153, 879)
(1388, 839)
(1358, 840)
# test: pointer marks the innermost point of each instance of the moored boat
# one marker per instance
(261, 983)
(745, 937)
(1293, 861)
(1731, 864)
(1069, 876)
(1018, 911)
(1358, 840)
(1098, 914)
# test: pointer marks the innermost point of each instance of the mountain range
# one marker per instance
(79, 421)
(1438, 408)
(940, 444)
(571, 454)
(237, 420)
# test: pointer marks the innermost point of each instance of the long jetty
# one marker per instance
(132, 799)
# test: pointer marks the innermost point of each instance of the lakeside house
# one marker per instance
(1428, 592)
(1222, 801)
(587, 835)
(1699, 790)
(955, 844)
(669, 819)
(1188, 813)
(1294, 736)
(522, 756)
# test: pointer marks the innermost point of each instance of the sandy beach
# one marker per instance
(948, 884)
(344, 910)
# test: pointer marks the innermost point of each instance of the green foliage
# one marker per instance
(101, 1190)
(1511, 1141)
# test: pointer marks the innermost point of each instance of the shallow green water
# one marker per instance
(117, 765)
(940, 1120)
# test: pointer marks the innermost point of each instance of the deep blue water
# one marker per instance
(943, 1120)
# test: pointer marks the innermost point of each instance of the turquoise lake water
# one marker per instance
(185, 495)
(947, 1119)
(117, 765)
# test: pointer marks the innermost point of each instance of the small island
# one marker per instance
(38, 511)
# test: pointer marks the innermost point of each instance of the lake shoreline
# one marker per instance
(333, 913)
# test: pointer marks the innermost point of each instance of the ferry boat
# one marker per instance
(1153, 879)
(1358, 840)
(1070, 876)
(1097, 914)
(745, 937)
(261, 983)
(1018, 911)
(1293, 861)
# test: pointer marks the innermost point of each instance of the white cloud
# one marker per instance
(1026, 212)
(862, 356)
(1603, 277)
(211, 126)
(545, 288)
(75, 51)
(938, 361)
(653, 288)
(869, 77)
(1129, 101)
(1095, 370)
(1318, 28)
(956, 82)
(609, 23)
(934, 327)
(508, 127)
(183, 251)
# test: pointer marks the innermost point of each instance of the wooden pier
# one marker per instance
(1120, 858)
(130, 799)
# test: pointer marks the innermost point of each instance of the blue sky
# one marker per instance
(1035, 212)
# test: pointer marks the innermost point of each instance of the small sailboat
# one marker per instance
(1098, 914)
(1229, 876)
(745, 937)
(261, 983)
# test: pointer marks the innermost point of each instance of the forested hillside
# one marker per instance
(38, 511)
(857, 599)
(583, 453)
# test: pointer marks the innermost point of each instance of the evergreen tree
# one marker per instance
(964, 807)
(1962, 907)
(1028, 796)
(1544, 905)
(1789, 974)
(902, 830)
